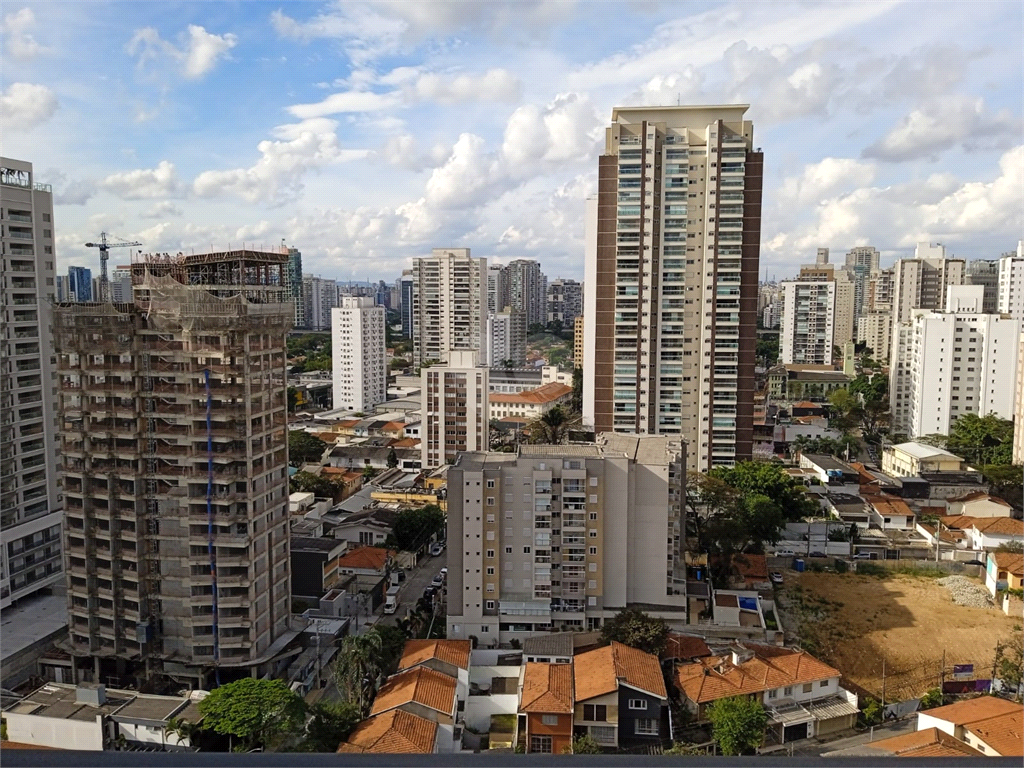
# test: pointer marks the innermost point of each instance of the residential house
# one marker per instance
(1004, 570)
(365, 561)
(450, 657)
(546, 707)
(744, 571)
(531, 404)
(310, 558)
(835, 475)
(912, 458)
(368, 527)
(680, 647)
(890, 513)
(948, 485)
(549, 647)
(993, 726)
(394, 732)
(428, 694)
(924, 745)
(992, 532)
(621, 700)
(979, 504)
(802, 695)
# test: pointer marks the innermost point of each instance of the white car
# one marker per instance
(437, 581)
(436, 549)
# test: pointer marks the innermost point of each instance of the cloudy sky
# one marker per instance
(367, 133)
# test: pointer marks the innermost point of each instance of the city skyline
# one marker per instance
(879, 134)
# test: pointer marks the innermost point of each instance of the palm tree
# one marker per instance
(358, 668)
(554, 426)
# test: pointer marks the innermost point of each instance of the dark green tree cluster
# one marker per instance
(307, 482)
(304, 447)
(254, 714)
(315, 349)
(986, 442)
(554, 426)
(825, 445)
(415, 527)
(738, 724)
(768, 350)
(636, 629)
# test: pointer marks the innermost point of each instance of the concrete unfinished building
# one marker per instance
(173, 414)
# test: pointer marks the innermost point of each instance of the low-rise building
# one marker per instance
(912, 458)
(993, 532)
(428, 694)
(890, 513)
(531, 404)
(1004, 570)
(993, 726)
(450, 657)
(979, 504)
(394, 732)
(365, 561)
(927, 744)
(556, 648)
(546, 707)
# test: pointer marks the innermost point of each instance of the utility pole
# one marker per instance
(883, 682)
(938, 538)
(942, 673)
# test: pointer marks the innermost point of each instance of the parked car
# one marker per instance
(975, 562)
(438, 581)
(429, 591)
(818, 554)
(865, 556)
(775, 577)
(785, 553)
(436, 549)
(444, 572)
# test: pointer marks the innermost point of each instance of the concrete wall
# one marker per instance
(480, 708)
(55, 732)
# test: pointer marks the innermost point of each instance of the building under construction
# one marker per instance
(175, 451)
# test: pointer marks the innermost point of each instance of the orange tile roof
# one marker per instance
(1011, 562)
(423, 685)
(546, 393)
(807, 404)
(394, 732)
(1000, 526)
(972, 710)
(889, 505)
(454, 652)
(931, 742)
(978, 495)
(716, 677)
(347, 423)
(371, 558)
(406, 442)
(959, 522)
(684, 647)
(1004, 733)
(947, 535)
(750, 567)
(393, 425)
(546, 688)
(597, 672)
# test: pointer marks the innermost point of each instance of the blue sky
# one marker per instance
(367, 133)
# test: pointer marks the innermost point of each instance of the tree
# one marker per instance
(392, 642)
(369, 473)
(330, 725)
(750, 477)
(577, 389)
(357, 669)
(256, 712)
(583, 745)
(293, 399)
(414, 527)
(931, 699)
(767, 351)
(738, 724)
(846, 406)
(307, 482)
(304, 447)
(636, 629)
(553, 427)
(392, 459)
(1006, 482)
(982, 439)
(1009, 663)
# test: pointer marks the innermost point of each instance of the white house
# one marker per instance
(990, 533)
(890, 513)
(978, 505)
(989, 724)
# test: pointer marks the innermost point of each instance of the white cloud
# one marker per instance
(26, 105)
(162, 210)
(347, 101)
(299, 147)
(943, 124)
(18, 42)
(567, 128)
(445, 88)
(196, 55)
(145, 183)
(68, 191)
(822, 179)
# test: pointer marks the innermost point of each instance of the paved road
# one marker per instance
(415, 582)
(817, 748)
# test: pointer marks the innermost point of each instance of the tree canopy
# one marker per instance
(330, 725)
(636, 629)
(738, 724)
(414, 527)
(357, 670)
(761, 478)
(554, 426)
(982, 439)
(307, 482)
(304, 447)
(256, 712)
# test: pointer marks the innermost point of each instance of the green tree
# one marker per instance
(330, 725)
(357, 669)
(256, 712)
(577, 389)
(756, 477)
(583, 745)
(636, 629)
(304, 448)
(1009, 663)
(414, 527)
(767, 351)
(307, 482)
(931, 699)
(982, 439)
(392, 642)
(293, 399)
(846, 406)
(553, 427)
(369, 473)
(392, 459)
(738, 724)
(1006, 480)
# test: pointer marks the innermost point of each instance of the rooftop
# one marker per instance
(454, 652)
(828, 462)
(31, 620)
(931, 742)
(972, 710)
(599, 671)
(548, 393)
(685, 647)
(394, 732)
(549, 644)
(547, 688)
(1012, 562)
(425, 686)
(61, 701)
(1004, 733)
(371, 558)
(923, 451)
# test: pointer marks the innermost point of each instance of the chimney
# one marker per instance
(740, 654)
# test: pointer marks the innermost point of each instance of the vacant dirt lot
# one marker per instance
(853, 621)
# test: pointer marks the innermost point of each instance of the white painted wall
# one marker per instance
(55, 732)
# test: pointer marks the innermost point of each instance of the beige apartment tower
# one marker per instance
(450, 298)
(173, 419)
(456, 416)
(562, 537)
(670, 297)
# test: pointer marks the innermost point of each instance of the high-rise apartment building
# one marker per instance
(879, 291)
(860, 263)
(844, 326)
(449, 305)
(30, 500)
(952, 362)
(1011, 283)
(578, 336)
(497, 288)
(175, 450)
(320, 297)
(1018, 408)
(455, 409)
(807, 336)
(506, 339)
(565, 302)
(80, 283)
(875, 330)
(985, 272)
(528, 290)
(821, 258)
(360, 378)
(405, 291)
(121, 285)
(296, 286)
(672, 248)
(562, 537)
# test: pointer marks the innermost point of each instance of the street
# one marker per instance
(415, 582)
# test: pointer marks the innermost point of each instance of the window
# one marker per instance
(540, 744)
(490, 483)
(490, 501)
(603, 734)
(490, 570)
(773, 694)
(490, 605)
(526, 550)
(508, 550)
(637, 704)
(549, 719)
(593, 550)
(646, 726)
(808, 687)
(787, 691)
(490, 553)
(823, 684)
(598, 712)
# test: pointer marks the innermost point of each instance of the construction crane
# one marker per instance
(104, 246)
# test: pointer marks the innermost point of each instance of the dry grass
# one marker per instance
(852, 621)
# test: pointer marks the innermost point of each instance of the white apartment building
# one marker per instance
(360, 377)
(985, 272)
(807, 336)
(670, 297)
(562, 537)
(449, 305)
(506, 338)
(320, 297)
(121, 285)
(875, 330)
(31, 516)
(954, 362)
(455, 409)
(564, 302)
(1011, 283)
